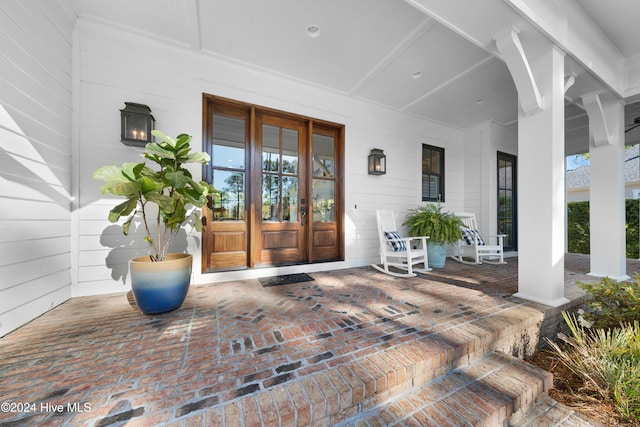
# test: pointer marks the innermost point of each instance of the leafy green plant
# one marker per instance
(170, 188)
(429, 220)
(612, 302)
(608, 360)
(632, 228)
(578, 228)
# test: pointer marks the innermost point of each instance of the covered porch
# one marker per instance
(352, 347)
(536, 81)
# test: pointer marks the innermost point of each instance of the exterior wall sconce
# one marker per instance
(377, 162)
(136, 124)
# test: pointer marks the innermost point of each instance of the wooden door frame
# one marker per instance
(253, 166)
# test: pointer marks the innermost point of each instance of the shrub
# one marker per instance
(612, 302)
(578, 228)
(633, 228)
(608, 360)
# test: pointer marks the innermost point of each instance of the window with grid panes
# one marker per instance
(432, 173)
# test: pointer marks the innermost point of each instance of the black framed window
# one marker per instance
(432, 173)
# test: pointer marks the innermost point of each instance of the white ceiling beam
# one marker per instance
(467, 25)
(447, 83)
(509, 46)
(192, 11)
(394, 54)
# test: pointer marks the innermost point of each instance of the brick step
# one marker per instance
(492, 391)
(548, 412)
(445, 357)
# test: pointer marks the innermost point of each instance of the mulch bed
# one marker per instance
(570, 390)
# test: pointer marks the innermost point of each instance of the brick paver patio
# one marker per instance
(342, 349)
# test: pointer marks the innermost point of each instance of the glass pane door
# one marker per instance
(279, 174)
(280, 231)
(507, 200)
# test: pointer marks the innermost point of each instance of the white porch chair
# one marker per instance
(399, 252)
(472, 245)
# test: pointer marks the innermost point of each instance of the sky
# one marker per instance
(576, 161)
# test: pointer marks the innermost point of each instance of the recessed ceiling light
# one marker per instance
(313, 31)
(479, 101)
(416, 74)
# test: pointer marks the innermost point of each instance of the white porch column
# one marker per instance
(607, 205)
(541, 201)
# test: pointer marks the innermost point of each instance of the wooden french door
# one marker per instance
(281, 168)
(279, 182)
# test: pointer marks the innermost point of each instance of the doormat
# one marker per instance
(285, 279)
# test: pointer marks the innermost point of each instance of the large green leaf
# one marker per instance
(127, 224)
(177, 179)
(132, 170)
(183, 142)
(199, 157)
(147, 185)
(123, 209)
(182, 153)
(110, 173)
(121, 188)
(162, 136)
(164, 202)
(195, 197)
(153, 149)
(176, 216)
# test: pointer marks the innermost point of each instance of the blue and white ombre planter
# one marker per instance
(437, 254)
(159, 287)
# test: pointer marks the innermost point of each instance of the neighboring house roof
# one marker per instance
(580, 177)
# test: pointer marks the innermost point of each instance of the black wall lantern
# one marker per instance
(136, 124)
(377, 162)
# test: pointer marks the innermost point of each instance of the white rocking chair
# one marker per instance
(474, 246)
(399, 252)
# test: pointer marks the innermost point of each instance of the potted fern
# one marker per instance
(441, 227)
(166, 197)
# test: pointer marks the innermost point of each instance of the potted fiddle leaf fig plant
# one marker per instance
(165, 197)
(441, 227)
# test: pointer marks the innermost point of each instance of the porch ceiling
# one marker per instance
(373, 53)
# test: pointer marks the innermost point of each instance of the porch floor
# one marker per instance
(353, 347)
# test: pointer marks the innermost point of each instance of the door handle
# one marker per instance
(303, 214)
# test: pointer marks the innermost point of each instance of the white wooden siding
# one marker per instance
(482, 144)
(35, 159)
(116, 66)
